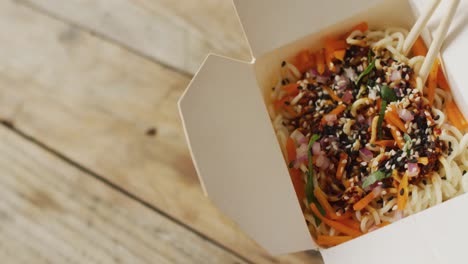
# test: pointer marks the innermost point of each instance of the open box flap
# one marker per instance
(238, 157)
(434, 236)
(270, 24)
(454, 51)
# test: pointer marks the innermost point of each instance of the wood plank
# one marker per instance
(51, 212)
(93, 102)
(177, 33)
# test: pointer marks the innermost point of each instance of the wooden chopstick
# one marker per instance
(419, 26)
(438, 40)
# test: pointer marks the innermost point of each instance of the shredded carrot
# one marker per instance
(330, 241)
(332, 94)
(397, 136)
(335, 44)
(392, 118)
(291, 149)
(341, 165)
(338, 110)
(298, 183)
(441, 79)
(304, 61)
(320, 57)
(402, 197)
(346, 183)
(419, 48)
(339, 54)
(432, 83)
(351, 223)
(336, 225)
(291, 89)
(278, 104)
(348, 214)
(322, 199)
(361, 204)
(455, 116)
(385, 143)
(363, 27)
(331, 45)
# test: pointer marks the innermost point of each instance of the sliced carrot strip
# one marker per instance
(344, 216)
(392, 118)
(332, 94)
(397, 136)
(320, 57)
(298, 183)
(291, 89)
(441, 79)
(351, 223)
(291, 150)
(339, 54)
(336, 225)
(385, 143)
(419, 47)
(432, 84)
(455, 116)
(341, 165)
(304, 61)
(322, 199)
(402, 197)
(338, 110)
(361, 204)
(335, 44)
(330, 241)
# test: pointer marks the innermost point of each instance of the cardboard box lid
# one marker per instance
(269, 24)
(237, 155)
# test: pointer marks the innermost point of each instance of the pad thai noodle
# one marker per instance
(366, 141)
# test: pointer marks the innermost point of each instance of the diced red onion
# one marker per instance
(366, 155)
(330, 118)
(316, 148)
(347, 97)
(313, 73)
(413, 169)
(322, 162)
(298, 137)
(322, 79)
(361, 119)
(300, 160)
(301, 150)
(406, 115)
(396, 76)
(350, 73)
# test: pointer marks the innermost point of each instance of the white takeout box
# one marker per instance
(239, 160)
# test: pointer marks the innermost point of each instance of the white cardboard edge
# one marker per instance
(270, 24)
(413, 241)
(237, 156)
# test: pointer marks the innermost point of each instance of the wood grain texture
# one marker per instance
(94, 102)
(177, 33)
(51, 212)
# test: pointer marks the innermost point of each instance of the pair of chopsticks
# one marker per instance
(439, 36)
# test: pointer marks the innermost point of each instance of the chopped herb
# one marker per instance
(408, 144)
(366, 72)
(374, 177)
(383, 107)
(309, 188)
(388, 94)
(370, 55)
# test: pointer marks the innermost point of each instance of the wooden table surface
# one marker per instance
(95, 167)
